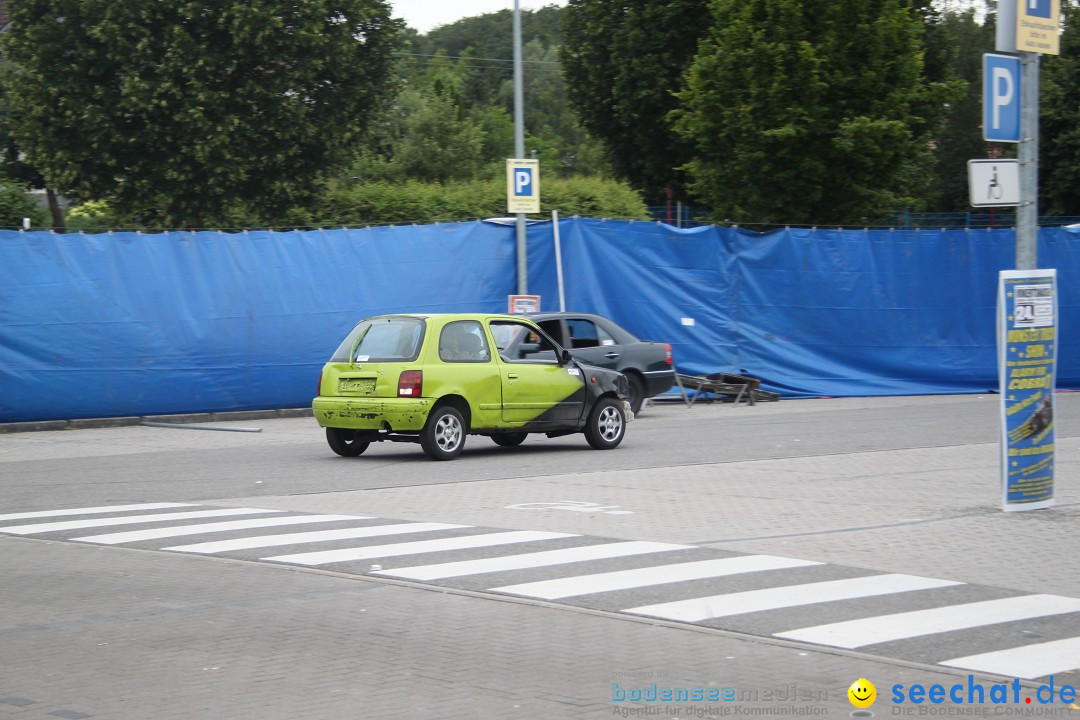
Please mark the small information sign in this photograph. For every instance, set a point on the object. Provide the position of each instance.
(523, 304)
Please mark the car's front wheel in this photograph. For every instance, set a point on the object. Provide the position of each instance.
(607, 424)
(346, 443)
(444, 435)
(509, 439)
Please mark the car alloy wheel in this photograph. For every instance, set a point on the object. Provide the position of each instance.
(607, 424)
(444, 435)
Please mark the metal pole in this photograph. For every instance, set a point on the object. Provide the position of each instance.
(1027, 214)
(519, 151)
(558, 259)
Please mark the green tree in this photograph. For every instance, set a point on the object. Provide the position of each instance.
(955, 43)
(623, 60)
(191, 113)
(1059, 122)
(809, 111)
(16, 203)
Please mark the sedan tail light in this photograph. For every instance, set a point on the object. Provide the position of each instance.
(667, 358)
(411, 384)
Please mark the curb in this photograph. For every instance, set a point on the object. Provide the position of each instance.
(113, 422)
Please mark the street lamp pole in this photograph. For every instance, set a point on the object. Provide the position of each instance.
(519, 151)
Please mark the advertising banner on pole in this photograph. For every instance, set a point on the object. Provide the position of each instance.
(1027, 357)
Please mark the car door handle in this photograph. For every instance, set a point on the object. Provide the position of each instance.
(612, 355)
(512, 376)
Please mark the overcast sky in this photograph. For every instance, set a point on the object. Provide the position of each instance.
(427, 14)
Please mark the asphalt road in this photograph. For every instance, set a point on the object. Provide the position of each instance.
(291, 456)
(853, 495)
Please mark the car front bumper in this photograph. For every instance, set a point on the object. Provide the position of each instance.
(357, 413)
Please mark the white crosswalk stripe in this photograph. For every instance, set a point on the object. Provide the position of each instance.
(159, 533)
(262, 541)
(898, 626)
(91, 510)
(650, 576)
(530, 560)
(718, 606)
(130, 520)
(326, 557)
(1027, 662)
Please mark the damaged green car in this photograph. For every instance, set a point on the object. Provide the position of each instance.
(435, 379)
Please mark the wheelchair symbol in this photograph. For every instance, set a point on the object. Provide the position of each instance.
(571, 505)
(994, 191)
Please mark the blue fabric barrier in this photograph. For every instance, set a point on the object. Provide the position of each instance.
(135, 324)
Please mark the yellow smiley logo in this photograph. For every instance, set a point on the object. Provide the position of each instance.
(862, 693)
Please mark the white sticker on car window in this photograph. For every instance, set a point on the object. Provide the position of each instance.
(362, 358)
(573, 371)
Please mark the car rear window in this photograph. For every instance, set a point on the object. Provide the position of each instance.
(394, 339)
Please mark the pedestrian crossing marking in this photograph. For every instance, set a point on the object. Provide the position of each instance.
(717, 606)
(531, 560)
(415, 548)
(159, 533)
(899, 626)
(1027, 662)
(315, 536)
(130, 520)
(465, 558)
(650, 576)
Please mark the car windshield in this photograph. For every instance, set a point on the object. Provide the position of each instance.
(395, 339)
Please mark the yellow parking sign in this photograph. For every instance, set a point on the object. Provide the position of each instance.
(1037, 26)
(522, 186)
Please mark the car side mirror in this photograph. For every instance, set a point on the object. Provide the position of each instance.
(565, 358)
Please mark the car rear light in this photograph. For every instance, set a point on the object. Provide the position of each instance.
(411, 384)
(667, 358)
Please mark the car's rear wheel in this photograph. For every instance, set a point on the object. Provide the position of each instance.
(607, 424)
(637, 392)
(346, 443)
(444, 435)
(509, 439)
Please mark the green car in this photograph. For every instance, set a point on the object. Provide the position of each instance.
(433, 379)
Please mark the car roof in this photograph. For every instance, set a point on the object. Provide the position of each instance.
(451, 316)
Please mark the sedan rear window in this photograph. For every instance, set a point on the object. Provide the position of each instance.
(395, 339)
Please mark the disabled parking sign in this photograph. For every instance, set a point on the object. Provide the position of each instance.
(522, 186)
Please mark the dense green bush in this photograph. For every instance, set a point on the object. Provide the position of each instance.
(421, 203)
(16, 203)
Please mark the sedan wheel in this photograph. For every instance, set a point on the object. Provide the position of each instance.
(509, 439)
(346, 443)
(444, 435)
(607, 424)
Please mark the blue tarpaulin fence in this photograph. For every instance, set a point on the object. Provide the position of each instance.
(135, 324)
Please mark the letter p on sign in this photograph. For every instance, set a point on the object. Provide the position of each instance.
(523, 182)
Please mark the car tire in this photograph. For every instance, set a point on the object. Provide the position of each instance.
(509, 439)
(443, 437)
(637, 392)
(346, 443)
(607, 424)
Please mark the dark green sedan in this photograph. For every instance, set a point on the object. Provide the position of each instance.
(598, 341)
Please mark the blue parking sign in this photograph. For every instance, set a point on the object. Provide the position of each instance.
(1038, 8)
(1001, 98)
(522, 186)
(523, 182)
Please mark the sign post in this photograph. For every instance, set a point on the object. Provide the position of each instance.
(1027, 359)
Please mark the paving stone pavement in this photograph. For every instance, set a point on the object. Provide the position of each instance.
(195, 637)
